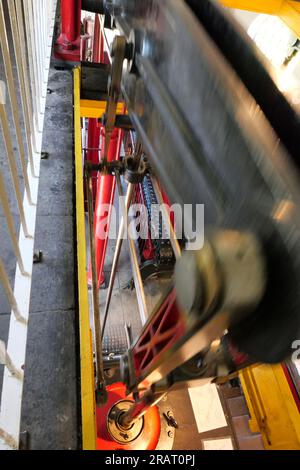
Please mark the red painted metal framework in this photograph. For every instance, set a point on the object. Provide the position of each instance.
(167, 326)
(71, 46)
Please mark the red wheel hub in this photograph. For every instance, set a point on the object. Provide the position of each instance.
(144, 435)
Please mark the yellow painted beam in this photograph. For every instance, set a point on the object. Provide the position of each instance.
(272, 407)
(270, 7)
(86, 353)
(290, 15)
(287, 10)
(96, 109)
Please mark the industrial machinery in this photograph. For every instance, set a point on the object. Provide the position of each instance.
(207, 123)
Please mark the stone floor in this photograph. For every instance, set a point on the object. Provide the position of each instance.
(50, 404)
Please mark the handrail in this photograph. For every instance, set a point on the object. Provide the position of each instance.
(31, 23)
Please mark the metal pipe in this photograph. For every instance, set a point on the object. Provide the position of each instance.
(13, 99)
(32, 42)
(123, 224)
(167, 219)
(138, 282)
(35, 94)
(128, 334)
(9, 293)
(17, 41)
(10, 224)
(68, 45)
(21, 44)
(38, 43)
(34, 29)
(97, 321)
(140, 407)
(70, 20)
(6, 360)
(13, 166)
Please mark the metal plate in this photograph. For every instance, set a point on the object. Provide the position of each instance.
(94, 81)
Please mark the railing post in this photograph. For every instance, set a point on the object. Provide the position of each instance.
(13, 99)
(22, 80)
(6, 361)
(9, 292)
(12, 165)
(10, 224)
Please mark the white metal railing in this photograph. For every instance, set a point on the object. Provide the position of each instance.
(31, 25)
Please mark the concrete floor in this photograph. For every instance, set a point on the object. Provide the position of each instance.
(50, 404)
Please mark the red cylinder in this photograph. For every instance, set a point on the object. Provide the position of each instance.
(104, 202)
(70, 20)
(68, 43)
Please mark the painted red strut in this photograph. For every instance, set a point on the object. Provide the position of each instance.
(68, 44)
(106, 187)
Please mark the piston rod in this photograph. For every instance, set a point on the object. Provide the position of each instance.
(140, 407)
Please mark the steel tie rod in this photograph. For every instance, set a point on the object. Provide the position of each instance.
(129, 194)
(100, 385)
(116, 258)
(138, 282)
